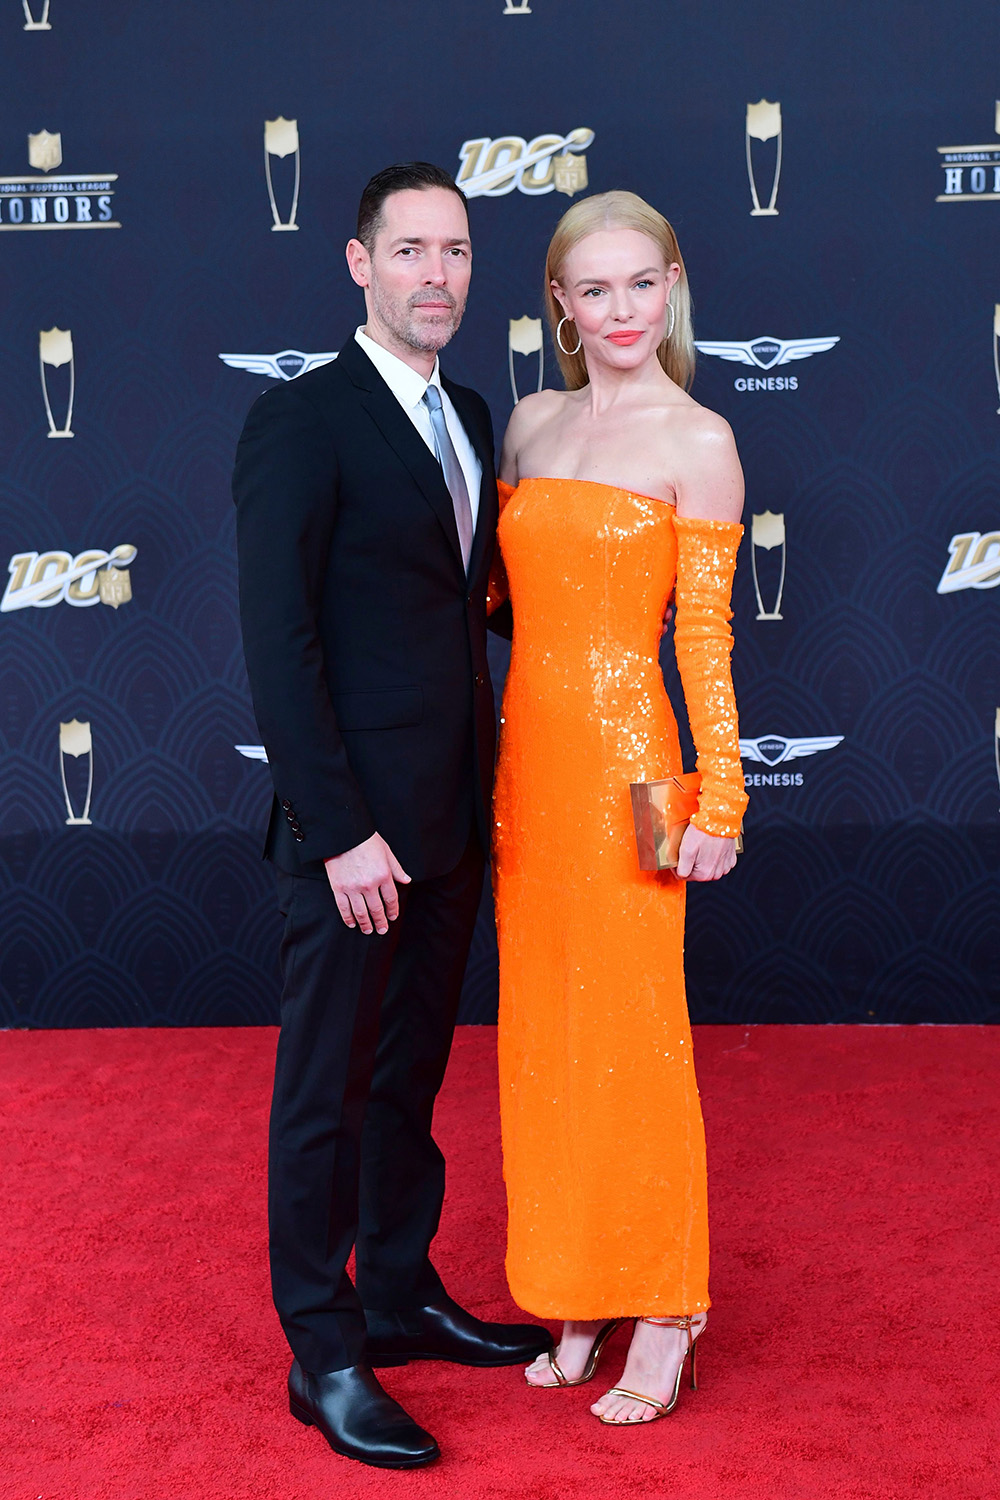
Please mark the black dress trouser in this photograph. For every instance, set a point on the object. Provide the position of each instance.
(366, 1028)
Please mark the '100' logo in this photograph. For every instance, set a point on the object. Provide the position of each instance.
(491, 168)
(974, 562)
(40, 580)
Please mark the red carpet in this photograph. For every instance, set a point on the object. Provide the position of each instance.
(852, 1349)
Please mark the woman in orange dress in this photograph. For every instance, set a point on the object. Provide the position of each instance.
(619, 492)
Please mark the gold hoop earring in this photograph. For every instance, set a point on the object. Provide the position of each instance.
(579, 338)
(673, 319)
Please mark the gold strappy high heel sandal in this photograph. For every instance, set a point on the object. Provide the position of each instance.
(596, 1349)
(662, 1408)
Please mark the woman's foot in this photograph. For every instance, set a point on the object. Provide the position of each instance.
(654, 1357)
(572, 1353)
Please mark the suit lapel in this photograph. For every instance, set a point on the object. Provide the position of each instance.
(401, 435)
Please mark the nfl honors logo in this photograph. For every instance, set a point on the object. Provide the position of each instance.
(972, 173)
(63, 201)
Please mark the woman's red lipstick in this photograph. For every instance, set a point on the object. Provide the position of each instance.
(625, 337)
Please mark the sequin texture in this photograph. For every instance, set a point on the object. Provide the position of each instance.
(604, 1152)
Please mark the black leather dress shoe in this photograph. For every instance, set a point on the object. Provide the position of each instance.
(443, 1330)
(358, 1418)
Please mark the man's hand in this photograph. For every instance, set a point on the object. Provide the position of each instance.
(703, 856)
(363, 881)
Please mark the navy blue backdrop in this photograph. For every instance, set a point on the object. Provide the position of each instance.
(849, 336)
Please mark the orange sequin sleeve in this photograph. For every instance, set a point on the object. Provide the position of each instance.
(498, 590)
(706, 562)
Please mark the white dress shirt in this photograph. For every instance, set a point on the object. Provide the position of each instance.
(408, 388)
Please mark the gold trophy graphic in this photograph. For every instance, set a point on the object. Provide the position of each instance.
(281, 138)
(763, 124)
(524, 336)
(767, 531)
(55, 348)
(30, 24)
(75, 739)
(996, 351)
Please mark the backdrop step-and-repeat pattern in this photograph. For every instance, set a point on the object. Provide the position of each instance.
(176, 187)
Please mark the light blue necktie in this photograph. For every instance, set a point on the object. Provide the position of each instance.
(454, 478)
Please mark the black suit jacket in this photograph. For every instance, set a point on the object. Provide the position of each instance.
(365, 642)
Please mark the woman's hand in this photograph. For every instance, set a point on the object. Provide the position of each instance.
(703, 856)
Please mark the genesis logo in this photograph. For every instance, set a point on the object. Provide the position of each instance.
(775, 749)
(284, 366)
(765, 353)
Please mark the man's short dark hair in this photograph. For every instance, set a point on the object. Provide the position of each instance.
(396, 179)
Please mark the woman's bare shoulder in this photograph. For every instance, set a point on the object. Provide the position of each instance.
(530, 415)
(700, 426)
(533, 411)
(710, 479)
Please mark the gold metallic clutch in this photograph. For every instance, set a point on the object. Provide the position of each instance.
(661, 810)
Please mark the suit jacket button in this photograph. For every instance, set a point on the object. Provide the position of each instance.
(286, 805)
(299, 836)
(479, 679)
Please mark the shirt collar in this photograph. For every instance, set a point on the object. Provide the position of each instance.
(405, 383)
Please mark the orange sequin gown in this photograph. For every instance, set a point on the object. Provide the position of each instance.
(604, 1147)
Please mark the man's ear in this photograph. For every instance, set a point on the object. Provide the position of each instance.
(359, 262)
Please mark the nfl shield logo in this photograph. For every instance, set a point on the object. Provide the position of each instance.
(114, 586)
(45, 150)
(570, 173)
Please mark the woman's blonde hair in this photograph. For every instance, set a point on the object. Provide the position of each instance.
(619, 211)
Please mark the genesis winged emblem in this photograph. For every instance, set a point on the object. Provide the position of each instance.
(285, 365)
(765, 352)
(775, 749)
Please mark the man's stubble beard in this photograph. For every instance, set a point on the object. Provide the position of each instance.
(400, 323)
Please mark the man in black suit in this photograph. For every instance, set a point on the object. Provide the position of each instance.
(366, 513)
